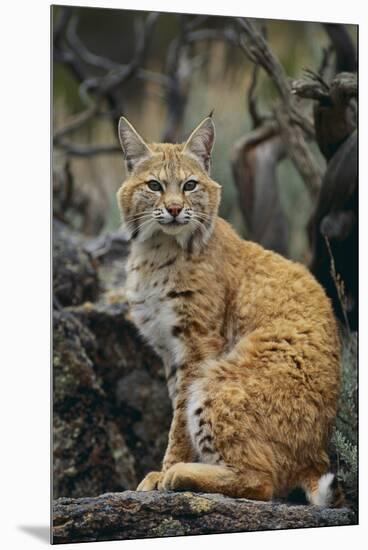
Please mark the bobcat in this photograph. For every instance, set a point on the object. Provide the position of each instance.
(248, 338)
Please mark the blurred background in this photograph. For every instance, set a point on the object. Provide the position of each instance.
(208, 72)
(284, 95)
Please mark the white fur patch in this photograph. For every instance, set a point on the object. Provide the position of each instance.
(162, 319)
(324, 494)
(153, 315)
(195, 400)
(196, 397)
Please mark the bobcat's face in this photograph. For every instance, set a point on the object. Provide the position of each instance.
(168, 188)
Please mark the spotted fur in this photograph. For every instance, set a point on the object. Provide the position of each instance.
(248, 338)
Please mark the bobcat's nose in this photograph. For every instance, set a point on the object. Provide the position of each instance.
(174, 209)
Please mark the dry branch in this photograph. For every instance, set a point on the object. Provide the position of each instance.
(344, 87)
(346, 57)
(254, 162)
(71, 51)
(82, 150)
(180, 67)
(335, 110)
(293, 123)
(299, 152)
(251, 99)
(77, 121)
(257, 50)
(341, 89)
(82, 51)
(311, 87)
(326, 60)
(61, 51)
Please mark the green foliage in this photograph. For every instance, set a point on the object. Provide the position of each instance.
(345, 434)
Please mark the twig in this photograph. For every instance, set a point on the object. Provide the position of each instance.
(342, 88)
(69, 187)
(196, 22)
(251, 99)
(317, 78)
(179, 67)
(82, 51)
(298, 151)
(325, 61)
(257, 50)
(104, 63)
(226, 35)
(81, 150)
(311, 87)
(61, 52)
(339, 283)
(61, 24)
(77, 121)
(143, 35)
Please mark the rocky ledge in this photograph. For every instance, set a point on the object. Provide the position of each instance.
(132, 515)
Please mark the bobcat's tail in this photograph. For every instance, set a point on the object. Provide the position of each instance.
(325, 491)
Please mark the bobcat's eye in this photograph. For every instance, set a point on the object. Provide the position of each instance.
(154, 185)
(190, 185)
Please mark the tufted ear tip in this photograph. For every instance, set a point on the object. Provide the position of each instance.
(200, 142)
(122, 122)
(134, 147)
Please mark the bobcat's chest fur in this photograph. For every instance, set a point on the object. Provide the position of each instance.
(150, 280)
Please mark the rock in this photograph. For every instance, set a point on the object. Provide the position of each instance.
(133, 378)
(146, 416)
(111, 407)
(75, 277)
(132, 515)
(89, 449)
(336, 219)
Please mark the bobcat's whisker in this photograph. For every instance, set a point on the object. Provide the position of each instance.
(143, 216)
(202, 215)
(140, 215)
(146, 222)
(197, 223)
(201, 221)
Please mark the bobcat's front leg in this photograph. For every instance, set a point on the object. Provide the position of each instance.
(179, 449)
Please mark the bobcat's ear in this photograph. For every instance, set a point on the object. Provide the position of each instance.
(133, 145)
(200, 142)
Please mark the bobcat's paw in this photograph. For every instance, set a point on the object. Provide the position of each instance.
(177, 478)
(150, 482)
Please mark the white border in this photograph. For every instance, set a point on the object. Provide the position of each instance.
(24, 219)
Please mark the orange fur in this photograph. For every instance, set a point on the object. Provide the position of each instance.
(248, 338)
